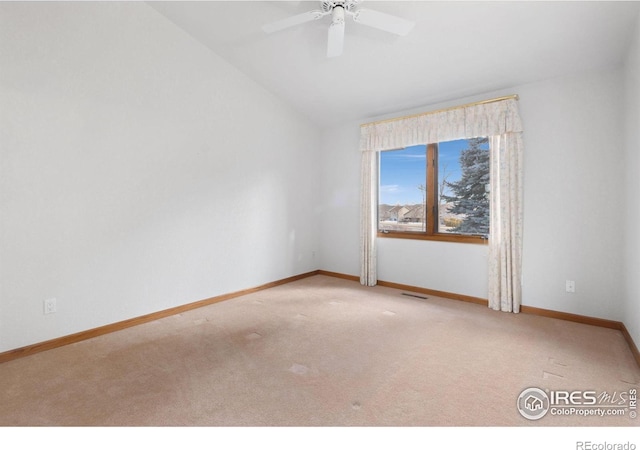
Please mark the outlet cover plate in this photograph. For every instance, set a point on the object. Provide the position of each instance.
(570, 286)
(50, 306)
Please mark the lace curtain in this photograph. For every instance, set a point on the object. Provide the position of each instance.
(498, 120)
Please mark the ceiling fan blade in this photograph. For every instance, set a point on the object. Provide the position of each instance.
(383, 21)
(336, 39)
(293, 21)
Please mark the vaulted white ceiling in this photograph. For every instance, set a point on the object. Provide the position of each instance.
(456, 49)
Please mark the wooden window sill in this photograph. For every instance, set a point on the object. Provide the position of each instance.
(435, 237)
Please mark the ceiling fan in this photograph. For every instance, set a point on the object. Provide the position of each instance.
(338, 10)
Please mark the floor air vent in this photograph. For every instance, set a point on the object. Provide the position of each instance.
(415, 295)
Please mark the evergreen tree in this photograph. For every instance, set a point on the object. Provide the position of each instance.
(470, 197)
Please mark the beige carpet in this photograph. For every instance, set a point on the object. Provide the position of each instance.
(321, 351)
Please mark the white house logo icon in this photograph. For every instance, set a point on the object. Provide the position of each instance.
(533, 403)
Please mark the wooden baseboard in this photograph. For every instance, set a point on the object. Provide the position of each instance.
(99, 331)
(88, 334)
(339, 275)
(449, 295)
(605, 323)
(632, 345)
(406, 287)
(587, 320)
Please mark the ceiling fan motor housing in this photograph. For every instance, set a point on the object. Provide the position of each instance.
(346, 5)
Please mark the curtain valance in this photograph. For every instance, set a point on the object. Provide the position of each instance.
(475, 120)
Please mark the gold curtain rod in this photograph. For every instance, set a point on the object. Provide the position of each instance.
(482, 102)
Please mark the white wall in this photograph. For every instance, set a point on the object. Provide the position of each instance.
(631, 305)
(340, 190)
(573, 194)
(138, 171)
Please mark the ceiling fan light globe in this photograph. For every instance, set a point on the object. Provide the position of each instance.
(337, 15)
(335, 41)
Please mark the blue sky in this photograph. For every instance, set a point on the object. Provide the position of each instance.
(402, 171)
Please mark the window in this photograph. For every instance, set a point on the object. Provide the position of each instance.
(435, 191)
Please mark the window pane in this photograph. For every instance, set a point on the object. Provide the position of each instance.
(402, 189)
(463, 186)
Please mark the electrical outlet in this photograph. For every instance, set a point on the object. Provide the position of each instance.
(50, 306)
(570, 286)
